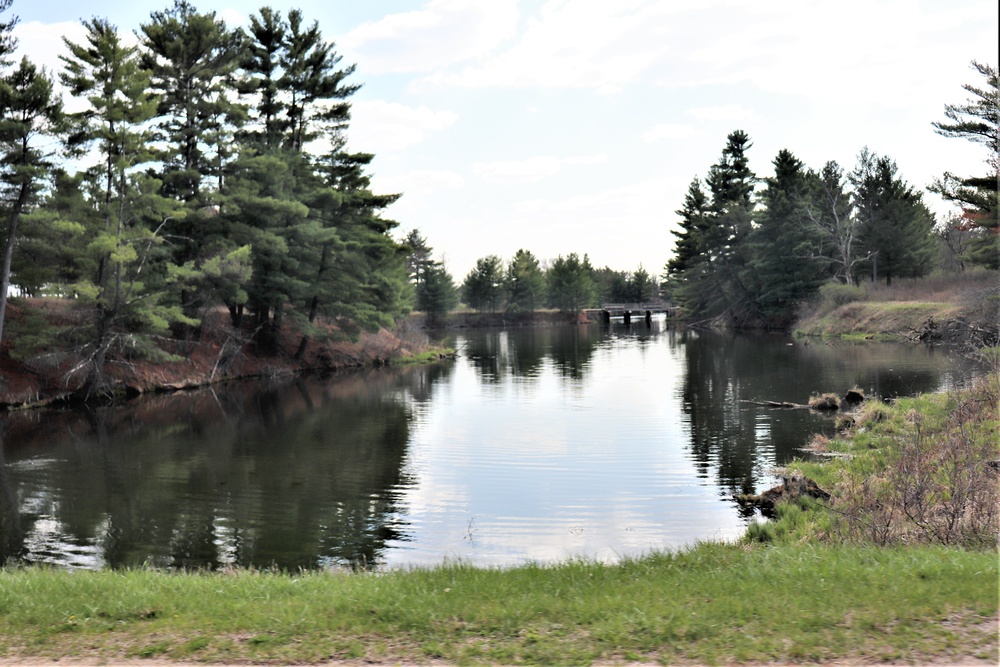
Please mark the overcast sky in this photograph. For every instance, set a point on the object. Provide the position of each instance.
(576, 125)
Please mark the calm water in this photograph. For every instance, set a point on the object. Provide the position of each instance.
(535, 445)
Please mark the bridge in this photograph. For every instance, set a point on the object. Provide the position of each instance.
(627, 311)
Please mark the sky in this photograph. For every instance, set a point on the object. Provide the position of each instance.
(563, 126)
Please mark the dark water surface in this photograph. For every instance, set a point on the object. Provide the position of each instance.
(535, 445)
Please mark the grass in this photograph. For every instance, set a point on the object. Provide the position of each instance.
(712, 604)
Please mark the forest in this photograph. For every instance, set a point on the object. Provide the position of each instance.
(206, 169)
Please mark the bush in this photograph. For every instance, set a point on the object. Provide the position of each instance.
(934, 475)
(834, 295)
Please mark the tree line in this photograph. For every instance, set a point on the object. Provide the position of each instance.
(749, 250)
(204, 167)
(523, 284)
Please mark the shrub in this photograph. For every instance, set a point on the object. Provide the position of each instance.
(934, 477)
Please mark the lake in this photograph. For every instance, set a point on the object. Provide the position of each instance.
(535, 445)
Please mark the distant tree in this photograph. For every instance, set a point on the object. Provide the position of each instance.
(29, 110)
(895, 227)
(524, 282)
(418, 259)
(978, 120)
(570, 283)
(483, 286)
(956, 238)
(641, 286)
(436, 294)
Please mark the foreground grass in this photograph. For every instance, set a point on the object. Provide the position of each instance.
(712, 604)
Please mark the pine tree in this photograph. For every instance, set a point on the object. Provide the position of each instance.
(316, 87)
(191, 57)
(895, 228)
(785, 263)
(571, 283)
(483, 286)
(106, 73)
(28, 110)
(693, 223)
(524, 283)
(978, 120)
(712, 285)
(263, 71)
(437, 294)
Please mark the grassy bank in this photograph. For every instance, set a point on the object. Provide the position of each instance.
(922, 470)
(962, 307)
(712, 604)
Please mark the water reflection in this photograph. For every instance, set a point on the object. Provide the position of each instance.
(299, 473)
(537, 444)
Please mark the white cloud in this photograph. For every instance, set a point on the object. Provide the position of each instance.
(728, 112)
(663, 131)
(426, 181)
(535, 168)
(377, 125)
(443, 32)
(43, 43)
(579, 44)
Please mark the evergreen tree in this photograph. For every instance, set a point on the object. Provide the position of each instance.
(712, 286)
(641, 287)
(483, 286)
(317, 92)
(106, 73)
(978, 120)
(48, 259)
(895, 227)
(571, 283)
(418, 261)
(28, 110)
(524, 283)
(7, 40)
(263, 71)
(437, 294)
(192, 58)
(693, 224)
(784, 267)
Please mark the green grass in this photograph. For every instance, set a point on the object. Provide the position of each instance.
(426, 357)
(712, 604)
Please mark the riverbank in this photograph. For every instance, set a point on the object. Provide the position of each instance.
(217, 354)
(962, 310)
